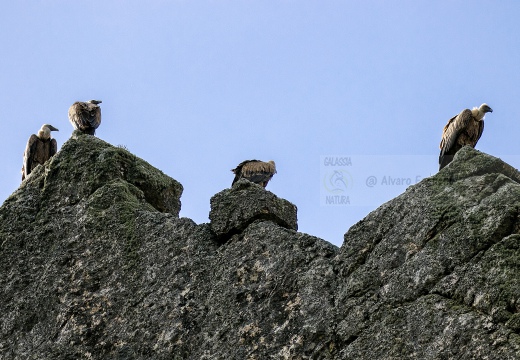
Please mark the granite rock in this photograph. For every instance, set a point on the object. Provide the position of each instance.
(96, 264)
(232, 210)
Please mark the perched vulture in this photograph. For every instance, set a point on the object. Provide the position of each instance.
(463, 129)
(85, 116)
(256, 171)
(39, 149)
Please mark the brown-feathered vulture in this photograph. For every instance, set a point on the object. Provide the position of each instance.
(462, 129)
(256, 171)
(85, 116)
(39, 149)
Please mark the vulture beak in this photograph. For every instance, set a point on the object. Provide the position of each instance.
(490, 110)
(52, 128)
(95, 102)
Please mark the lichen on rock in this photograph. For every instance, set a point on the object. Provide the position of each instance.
(85, 163)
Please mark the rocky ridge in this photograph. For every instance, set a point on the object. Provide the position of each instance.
(97, 264)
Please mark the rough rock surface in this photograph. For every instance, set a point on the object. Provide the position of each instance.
(233, 210)
(96, 264)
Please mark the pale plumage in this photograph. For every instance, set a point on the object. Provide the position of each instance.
(39, 149)
(85, 116)
(463, 129)
(256, 171)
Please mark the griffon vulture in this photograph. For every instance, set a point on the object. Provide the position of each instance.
(39, 149)
(256, 171)
(85, 116)
(463, 129)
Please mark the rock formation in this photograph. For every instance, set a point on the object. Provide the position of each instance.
(96, 264)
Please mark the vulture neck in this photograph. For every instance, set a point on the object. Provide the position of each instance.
(477, 114)
(44, 134)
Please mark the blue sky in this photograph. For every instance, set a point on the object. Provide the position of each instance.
(195, 87)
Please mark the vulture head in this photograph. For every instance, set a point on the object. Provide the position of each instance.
(45, 131)
(479, 113)
(485, 108)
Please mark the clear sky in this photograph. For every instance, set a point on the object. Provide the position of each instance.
(195, 87)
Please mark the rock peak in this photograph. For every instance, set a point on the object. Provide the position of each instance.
(232, 210)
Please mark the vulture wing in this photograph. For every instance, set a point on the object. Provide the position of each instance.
(260, 177)
(255, 171)
(238, 170)
(451, 132)
(54, 148)
(480, 130)
(30, 150)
